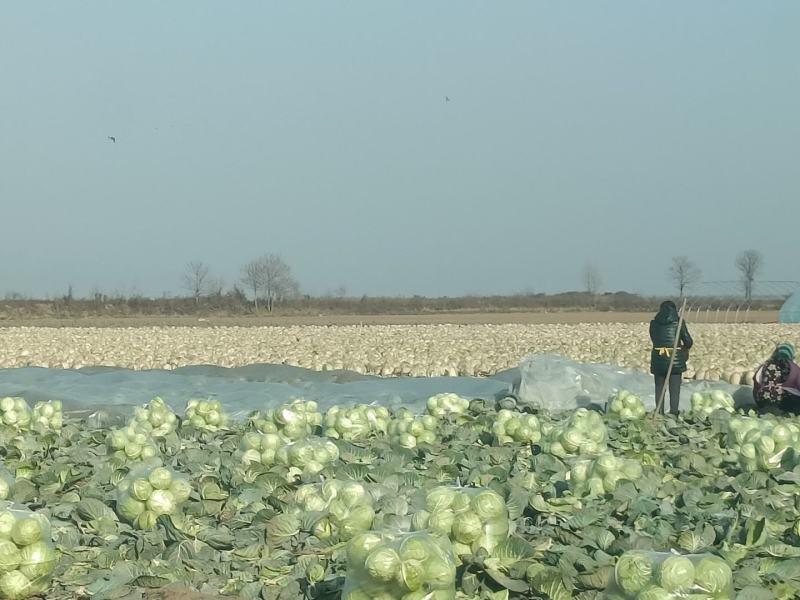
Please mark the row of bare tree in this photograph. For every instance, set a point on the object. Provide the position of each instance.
(268, 278)
(685, 273)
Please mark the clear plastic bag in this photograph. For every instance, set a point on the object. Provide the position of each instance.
(345, 508)
(155, 419)
(149, 491)
(763, 444)
(356, 422)
(294, 420)
(306, 457)
(15, 413)
(641, 575)
(130, 445)
(205, 415)
(399, 566)
(407, 430)
(602, 475)
(626, 406)
(513, 427)
(472, 518)
(27, 554)
(705, 403)
(582, 433)
(47, 416)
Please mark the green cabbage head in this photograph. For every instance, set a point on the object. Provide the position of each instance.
(633, 572)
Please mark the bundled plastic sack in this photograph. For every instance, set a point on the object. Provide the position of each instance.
(309, 456)
(513, 427)
(472, 518)
(130, 445)
(445, 404)
(763, 444)
(583, 434)
(601, 475)
(357, 422)
(148, 492)
(399, 566)
(294, 420)
(346, 508)
(407, 430)
(15, 413)
(206, 415)
(641, 575)
(626, 406)
(155, 419)
(47, 416)
(705, 403)
(27, 554)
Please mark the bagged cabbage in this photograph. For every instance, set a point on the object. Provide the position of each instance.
(357, 422)
(47, 416)
(644, 575)
(346, 508)
(307, 456)
(206, 415)
(129, 445)
(513, 427)
(399, 566)
(407, 430)
(156, 419)
(583, 434)
(441, 405)
(472, 518)
(601, 475)
(148, 492)
(626, 406)
(705, 403)
(763, 444)
(15, 412)
(27, 554)
(294, 421)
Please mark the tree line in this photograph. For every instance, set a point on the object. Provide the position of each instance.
(685, 274)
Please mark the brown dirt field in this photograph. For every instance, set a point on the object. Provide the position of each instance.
(525, 318)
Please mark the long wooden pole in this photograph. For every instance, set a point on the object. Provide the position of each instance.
(660, 399)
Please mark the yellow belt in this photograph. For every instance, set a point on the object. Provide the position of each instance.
(664, 351)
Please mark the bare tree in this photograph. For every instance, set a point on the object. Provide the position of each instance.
(195, 279)
(749, 262)
(216, 286)
(253, 279)
(684, 273)
(592, 279)
(269, 277)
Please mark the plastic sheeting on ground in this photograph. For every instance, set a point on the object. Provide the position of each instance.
(543, 381)
(241, 390)
(554, 383)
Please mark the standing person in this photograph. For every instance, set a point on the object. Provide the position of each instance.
(776, 383)
(663, 330)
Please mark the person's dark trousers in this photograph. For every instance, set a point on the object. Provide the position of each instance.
(674, 391)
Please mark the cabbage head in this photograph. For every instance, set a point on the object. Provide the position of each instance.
(713, 575)
(676, 574)
(653, 592)
(383, 564)
(26, 531)
(10, 556)
(14, 586)
(37, 560)
(633, 572)
(488, 505)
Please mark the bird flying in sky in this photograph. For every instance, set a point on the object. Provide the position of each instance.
(112, 138)
(446, 99)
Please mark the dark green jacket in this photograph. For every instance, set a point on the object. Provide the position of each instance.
(662, 334)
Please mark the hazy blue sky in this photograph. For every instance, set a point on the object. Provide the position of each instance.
(623, 132)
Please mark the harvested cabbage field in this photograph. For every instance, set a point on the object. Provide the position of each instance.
(721, 352)
(463, 497)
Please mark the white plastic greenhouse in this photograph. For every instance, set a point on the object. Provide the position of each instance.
(790, 311)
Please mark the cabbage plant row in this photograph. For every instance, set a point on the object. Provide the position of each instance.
(487, 502)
